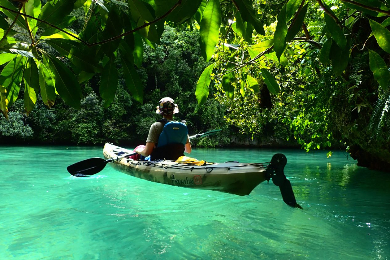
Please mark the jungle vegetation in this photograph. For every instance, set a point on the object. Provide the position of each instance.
(308, 72)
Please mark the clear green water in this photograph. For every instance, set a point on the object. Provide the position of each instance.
(47, 214)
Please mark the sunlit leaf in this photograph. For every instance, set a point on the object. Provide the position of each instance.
(379, 69)
(253, 84)
(3, 101)
(6, 57)
(270, 81)
(209, 28)
(202, 87)
(109, 82)
(132, 79)
(33, 8)
(382, 35)
(280, 33)
(249, 15)
(335, 31)
(67, 85)
(11, 77)
(297, 24)
(61, 35)
(255, 50)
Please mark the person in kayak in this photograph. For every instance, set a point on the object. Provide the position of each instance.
(167, 139)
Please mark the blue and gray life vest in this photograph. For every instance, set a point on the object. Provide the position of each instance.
(171, 141)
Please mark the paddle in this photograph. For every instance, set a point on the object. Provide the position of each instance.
(92, 166)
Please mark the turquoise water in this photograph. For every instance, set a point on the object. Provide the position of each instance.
(47, 214)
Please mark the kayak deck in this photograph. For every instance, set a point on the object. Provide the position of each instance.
(230, 177)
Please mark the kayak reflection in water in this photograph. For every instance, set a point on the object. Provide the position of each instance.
(167, 139)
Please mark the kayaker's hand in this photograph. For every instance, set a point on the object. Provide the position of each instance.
(139, 149)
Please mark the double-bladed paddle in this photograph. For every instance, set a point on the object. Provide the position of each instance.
(92, 166)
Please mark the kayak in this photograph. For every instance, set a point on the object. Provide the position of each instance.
(231, 177)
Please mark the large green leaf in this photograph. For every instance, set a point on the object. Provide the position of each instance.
(55, 11)
(6, 57)
(114, 25)
(297, 24)
(109, 82)
(339, 58)
(20, 21)
(132, 79)
(370, 3)
(325, 52)
(184, 11)
(380, 70)
(291, 7)
(227, 84)
(270, 81)
(31, 85)
(202, 87)
(253, 84)
(280, 33)
(335, 31)
(83, 57)
(67, 85)
(382, 35)
(3, 101)
(255, 50)
(249, 15)
(33, 8)
(11, 77)
(244, 29)
(46, 82)
(209, 28)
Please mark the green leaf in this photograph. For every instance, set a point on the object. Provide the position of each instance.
(379, 69)
(46, 82)
(280, 33)
(33, 8)
(382, 35)
(11, 77)
(325, 52)
(209, 28)
(255, 50)
(291, 7)
(202, 87)
(66, 23)
(114, 25)
(339, 58)
(180, 14)
(244, 29)
(253, 84)
(370, 3)
(335, 31)
(6, 57)
(19, 21)
(31, 85)
(3, 101)
(132, 80)
(109, 82)
(297, 24)
(54, 12)
(249, 15)
(272, 85)
(67, 85)
(61, 35)
(227, 84)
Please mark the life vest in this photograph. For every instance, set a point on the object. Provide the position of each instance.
(171, 141)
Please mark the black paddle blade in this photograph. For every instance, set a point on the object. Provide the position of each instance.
(87, 167)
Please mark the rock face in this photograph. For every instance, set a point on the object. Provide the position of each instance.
(373, 160)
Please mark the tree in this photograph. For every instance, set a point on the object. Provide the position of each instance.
(45, 49)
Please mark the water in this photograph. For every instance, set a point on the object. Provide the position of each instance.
(47, 214)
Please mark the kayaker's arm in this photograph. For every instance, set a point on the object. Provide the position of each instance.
(187, 147)
(145, 151)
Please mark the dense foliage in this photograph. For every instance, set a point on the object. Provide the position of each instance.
(312, 71)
